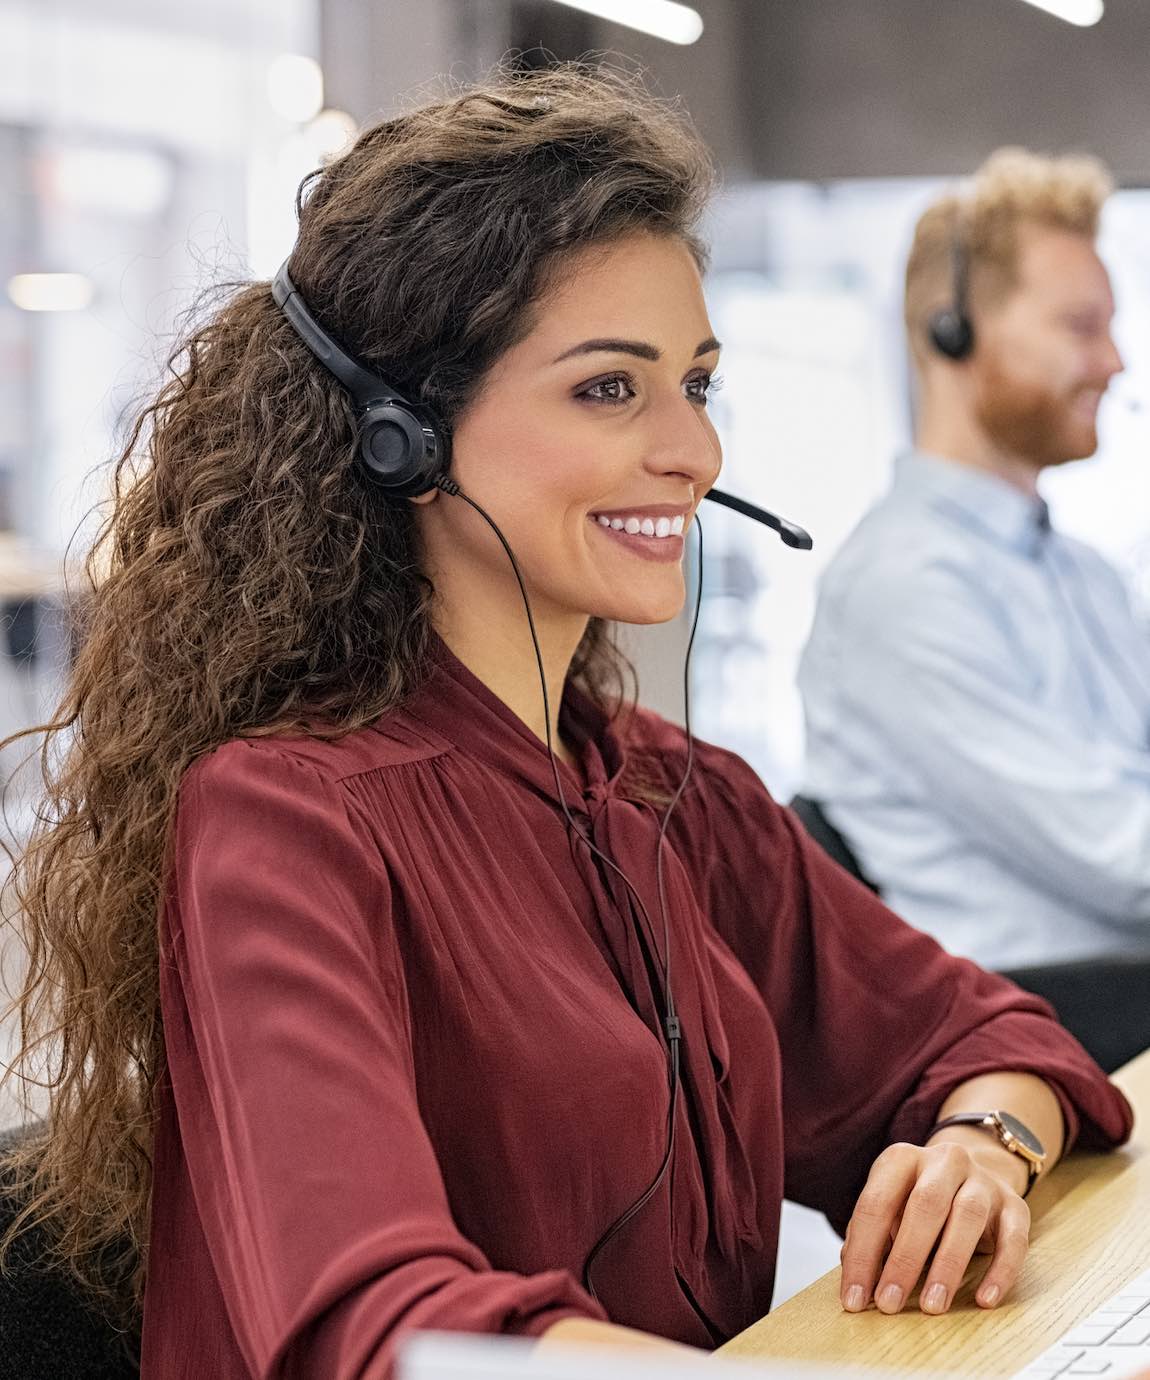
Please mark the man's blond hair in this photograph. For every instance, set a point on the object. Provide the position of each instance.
(1012, 189)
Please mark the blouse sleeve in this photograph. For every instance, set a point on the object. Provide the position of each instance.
(289, 1055)
(876, 1023)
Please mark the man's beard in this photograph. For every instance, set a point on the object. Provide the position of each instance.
(1032, 421)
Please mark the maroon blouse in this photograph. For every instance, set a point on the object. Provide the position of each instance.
(414, 1069)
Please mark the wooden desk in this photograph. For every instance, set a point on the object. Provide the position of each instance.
(1091, 1234)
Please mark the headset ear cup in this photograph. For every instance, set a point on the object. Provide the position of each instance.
(951, 333)
(402, 449)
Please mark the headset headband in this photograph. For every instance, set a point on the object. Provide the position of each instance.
(365, 387)
(959, 262)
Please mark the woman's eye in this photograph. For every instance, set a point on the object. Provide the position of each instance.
(700, 388)
(616, 389)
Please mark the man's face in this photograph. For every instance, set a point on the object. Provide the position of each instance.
(1045, 356)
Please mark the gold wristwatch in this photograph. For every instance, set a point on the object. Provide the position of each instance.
(1011, 1134)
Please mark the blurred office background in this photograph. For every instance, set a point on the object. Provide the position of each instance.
(151, 150)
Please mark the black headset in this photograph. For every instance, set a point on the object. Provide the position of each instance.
(950, 329)
(404, 447)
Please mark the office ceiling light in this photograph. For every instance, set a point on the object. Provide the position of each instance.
(664, 18)
(330, 134)
(124, 182)
(50, 291)
(295, 87)
(1080, 12)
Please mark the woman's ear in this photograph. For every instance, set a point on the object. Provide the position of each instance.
(424, 498)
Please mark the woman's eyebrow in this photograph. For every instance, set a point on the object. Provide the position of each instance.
(639, 348)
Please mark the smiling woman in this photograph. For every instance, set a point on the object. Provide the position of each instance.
(377, 1013)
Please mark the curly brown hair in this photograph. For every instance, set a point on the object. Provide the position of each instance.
(246, 580)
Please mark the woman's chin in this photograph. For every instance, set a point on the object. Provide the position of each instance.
(643, 613)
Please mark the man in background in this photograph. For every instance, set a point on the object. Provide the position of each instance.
(976, 687)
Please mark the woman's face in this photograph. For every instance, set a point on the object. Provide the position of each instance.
(589, 444)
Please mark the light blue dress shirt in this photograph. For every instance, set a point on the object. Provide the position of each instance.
(977, 699)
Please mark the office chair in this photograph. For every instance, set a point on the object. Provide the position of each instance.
(48, 1328)
(824, 833)
(1103, 1002)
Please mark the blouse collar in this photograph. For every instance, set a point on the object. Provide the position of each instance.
(461, 708)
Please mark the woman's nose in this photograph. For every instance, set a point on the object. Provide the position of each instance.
(687, 445)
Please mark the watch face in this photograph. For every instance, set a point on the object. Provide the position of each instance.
(1026, 1138)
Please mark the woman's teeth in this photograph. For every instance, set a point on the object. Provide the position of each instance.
(645, 527)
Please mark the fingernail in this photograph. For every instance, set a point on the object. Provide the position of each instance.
(934, 1299)
(855, 1300)
(890, 1300)
(990, 1296)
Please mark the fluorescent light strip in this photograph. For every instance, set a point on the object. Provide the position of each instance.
(50, 291)
(664, 18)
(1080, 12)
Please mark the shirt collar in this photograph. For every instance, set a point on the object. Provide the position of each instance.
(1018, 521)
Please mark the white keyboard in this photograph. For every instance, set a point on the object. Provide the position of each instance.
(1114, 1341)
